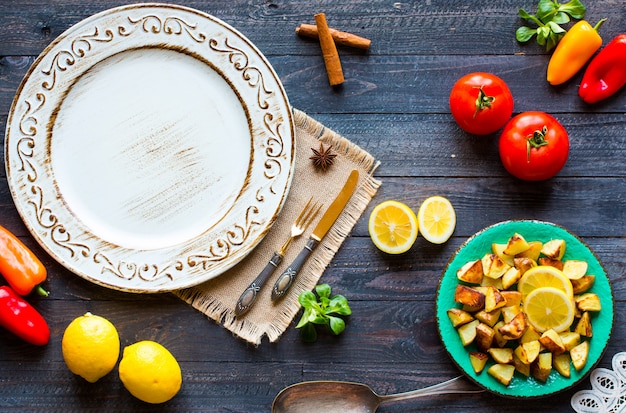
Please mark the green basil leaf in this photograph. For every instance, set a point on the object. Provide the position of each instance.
(546, 9)
(323, 290)
(307, 299)
(541, 38)
(337, 325)
(561, 18)
(574, 8)
(524, 14)
(524, 34)
(339, 305)
(304, 319)
(556, 29)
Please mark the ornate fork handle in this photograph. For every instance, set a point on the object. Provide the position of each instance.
(284, 282)
(249, 295)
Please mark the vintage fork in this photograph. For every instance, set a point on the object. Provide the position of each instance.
(249, 295)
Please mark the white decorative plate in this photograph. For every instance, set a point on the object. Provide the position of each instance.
(150, 147)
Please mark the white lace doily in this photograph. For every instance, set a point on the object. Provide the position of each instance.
(608, 389)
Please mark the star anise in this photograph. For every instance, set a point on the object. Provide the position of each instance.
(323, 158)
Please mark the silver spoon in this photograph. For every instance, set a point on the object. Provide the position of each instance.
(347, 397)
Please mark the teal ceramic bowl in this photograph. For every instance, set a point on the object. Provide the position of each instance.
(475, 248)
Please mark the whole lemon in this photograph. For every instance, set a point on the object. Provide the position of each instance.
(91, 346)
(150, 372)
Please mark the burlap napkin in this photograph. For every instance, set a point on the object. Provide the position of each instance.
(216, 298)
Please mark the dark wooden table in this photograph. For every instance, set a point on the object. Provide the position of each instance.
(394, 104)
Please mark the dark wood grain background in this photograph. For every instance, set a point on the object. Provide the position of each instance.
(394, 104)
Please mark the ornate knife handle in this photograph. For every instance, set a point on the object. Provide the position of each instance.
(285, 280)
(249, 295)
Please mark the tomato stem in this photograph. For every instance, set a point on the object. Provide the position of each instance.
(483, 101)
(536, 140)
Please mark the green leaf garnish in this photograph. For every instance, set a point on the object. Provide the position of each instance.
(322, 310)
(550, 16)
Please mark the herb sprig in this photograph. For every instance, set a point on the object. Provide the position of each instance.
(325, 311)
(550, 16)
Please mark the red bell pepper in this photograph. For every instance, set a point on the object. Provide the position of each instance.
(20, 318)
(19, 266)
(606, 73)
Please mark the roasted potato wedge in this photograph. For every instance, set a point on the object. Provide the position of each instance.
(575, 269)
(579, 355)
(469, 296)
(471, 272)
(542, 367)
(516, 245)
(467, 332)
(554, 249)
(459, 317)
(502, 372)
(478, 360)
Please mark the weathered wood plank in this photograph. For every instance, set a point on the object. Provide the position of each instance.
(398, 84)
(436, 27)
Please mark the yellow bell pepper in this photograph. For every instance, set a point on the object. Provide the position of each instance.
(573, 51)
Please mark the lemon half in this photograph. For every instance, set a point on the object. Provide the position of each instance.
(549, 308)
(544, 276)
(437, 219)
(393, 227)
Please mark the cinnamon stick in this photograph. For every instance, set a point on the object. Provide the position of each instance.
(342, 38)
(329, 51)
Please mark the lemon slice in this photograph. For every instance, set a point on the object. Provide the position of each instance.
(549, 308)
(437, 219)
(393, 227)
(544, 276)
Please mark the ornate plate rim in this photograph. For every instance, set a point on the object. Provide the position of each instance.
(530, 388)
(169, 27)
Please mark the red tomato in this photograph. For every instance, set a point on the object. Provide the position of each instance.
(534, 146)
(481, 103)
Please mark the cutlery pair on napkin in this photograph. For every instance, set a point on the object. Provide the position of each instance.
(308, 214)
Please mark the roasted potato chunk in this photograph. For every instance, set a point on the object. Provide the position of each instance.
(542, 367)
(515, 328)
(469, 297)
(489, 318)
(516, 245)
(574, 269)
(533, 251)
(493, 299)
(478, 360)
(561, 363)
(588, 302)
(459, 317)
(471, 272)
(528, 352)
(583, 284)
(467, 332)
(502, 355)
(583, 327)
(502, 372)
(554, 249)
(579, 355)
(484, 337)
(493, 266)
(551, 340)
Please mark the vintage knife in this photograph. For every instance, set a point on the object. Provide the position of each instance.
(285, 280)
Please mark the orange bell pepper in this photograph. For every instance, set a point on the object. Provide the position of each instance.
(573, 51)
(19, 266)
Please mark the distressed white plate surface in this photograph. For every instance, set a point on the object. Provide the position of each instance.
(150, 148)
